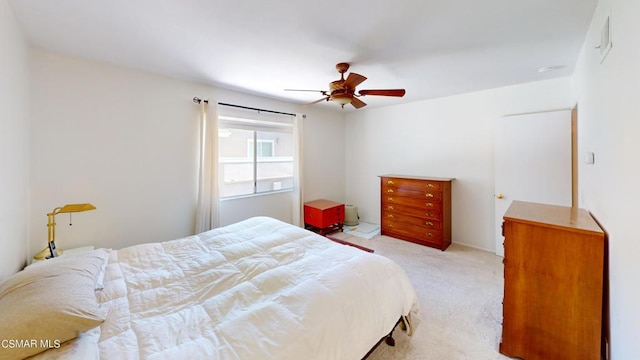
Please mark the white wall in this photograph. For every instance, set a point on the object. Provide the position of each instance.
(324, 155)
(126, 141)
(14, 143)
(446, 137)
(608, 97)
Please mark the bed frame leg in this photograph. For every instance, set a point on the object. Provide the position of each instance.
(389, 340)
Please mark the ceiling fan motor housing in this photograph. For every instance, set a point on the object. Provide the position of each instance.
(337, 87)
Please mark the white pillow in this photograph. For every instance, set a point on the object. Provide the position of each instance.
(52, 302)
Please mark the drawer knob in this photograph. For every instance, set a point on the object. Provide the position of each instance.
(390, 190)
(429, 223)
(390, 225)
(390, 216)
(429, 195)
(390, 182)
(430, 214)
(429, 235)
(430, 186)
(389, 198)
(390, 207)
(429, 204)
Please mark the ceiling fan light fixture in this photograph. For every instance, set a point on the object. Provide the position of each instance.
(342, 99)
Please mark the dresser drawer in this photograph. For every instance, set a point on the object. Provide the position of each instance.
(420, 208)
(433, 211)
(413, 219)
(415, 232)
(411, 184)
(419, 194)
(419, 203)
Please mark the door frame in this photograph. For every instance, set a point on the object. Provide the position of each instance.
(574, 157)
(574, 197)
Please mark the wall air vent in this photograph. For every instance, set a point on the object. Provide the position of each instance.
(605, 39)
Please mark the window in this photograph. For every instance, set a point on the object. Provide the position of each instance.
(246, 169)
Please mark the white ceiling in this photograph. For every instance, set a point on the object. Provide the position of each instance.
(432, 48)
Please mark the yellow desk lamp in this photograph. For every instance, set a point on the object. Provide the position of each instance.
(50, 251)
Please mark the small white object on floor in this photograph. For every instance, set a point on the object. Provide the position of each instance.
(363, 230)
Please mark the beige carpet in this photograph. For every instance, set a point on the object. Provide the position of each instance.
(460, 292)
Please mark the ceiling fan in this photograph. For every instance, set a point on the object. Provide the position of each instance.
(344, 91)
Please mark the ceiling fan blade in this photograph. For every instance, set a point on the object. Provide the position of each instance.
(320, 91)
(384, 92)
(353, 80)
(317, 101)
(357, 103)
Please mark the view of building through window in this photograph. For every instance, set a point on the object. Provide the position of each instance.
(246, 169)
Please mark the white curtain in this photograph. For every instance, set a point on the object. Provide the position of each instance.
(208, 211)
(297, 210)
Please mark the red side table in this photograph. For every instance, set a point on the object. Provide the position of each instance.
(323, 216)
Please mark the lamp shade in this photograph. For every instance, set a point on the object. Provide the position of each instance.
(69, 208)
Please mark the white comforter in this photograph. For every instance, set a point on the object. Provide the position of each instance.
(258, 289)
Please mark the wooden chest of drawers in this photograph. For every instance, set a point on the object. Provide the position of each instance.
(323, 216)
(553, 283)
(416, 209)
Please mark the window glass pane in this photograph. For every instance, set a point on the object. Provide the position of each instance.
(275, 161)
(236, 162)
(265, 148)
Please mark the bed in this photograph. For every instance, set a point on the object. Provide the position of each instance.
(257, 289)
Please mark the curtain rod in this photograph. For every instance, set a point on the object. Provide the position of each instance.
(256, 109)
(197, 100)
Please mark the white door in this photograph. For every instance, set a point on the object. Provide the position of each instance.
(532, 160)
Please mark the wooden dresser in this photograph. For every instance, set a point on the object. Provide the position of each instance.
(416, 209)
(553, 283)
